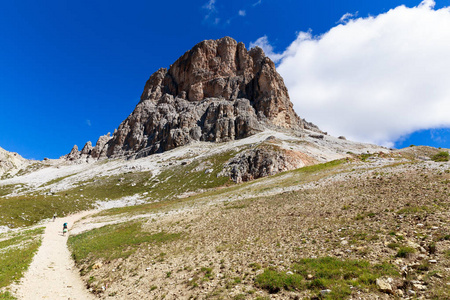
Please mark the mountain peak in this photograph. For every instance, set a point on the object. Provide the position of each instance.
(217, 91)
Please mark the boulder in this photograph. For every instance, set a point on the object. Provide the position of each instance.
(384, 286)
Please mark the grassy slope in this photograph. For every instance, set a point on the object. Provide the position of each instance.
(31, 208)
(228, 189)
(223, 245)
(369, 218)
(16, 253)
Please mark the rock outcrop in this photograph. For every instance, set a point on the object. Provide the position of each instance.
(88, 151)
(263, 161)
(218, 91)
(74, 154)
(10, 163)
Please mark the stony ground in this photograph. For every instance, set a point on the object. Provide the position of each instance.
(202, 237)
(395, 212)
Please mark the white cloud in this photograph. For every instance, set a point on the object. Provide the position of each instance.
(373, 79)
(427, 3)
(346, 17)
(242, 13)
(263, 43)
(88, 122)
(211, 10)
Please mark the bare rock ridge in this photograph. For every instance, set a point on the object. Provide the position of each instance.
(217, 91)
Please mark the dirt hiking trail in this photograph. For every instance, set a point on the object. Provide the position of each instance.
(52, 273)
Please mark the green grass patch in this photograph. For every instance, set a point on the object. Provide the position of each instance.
(114, 241)
(325, 273)
(16, 254)
(320, 167)
(7, 189)
(274, 281)
(112, 187)
(30, 209)
(365, 156)
(414, 210)
(405, 251)
(440, 157)
(7, 296)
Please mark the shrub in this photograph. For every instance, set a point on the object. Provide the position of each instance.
(405, 251)
(441, 156)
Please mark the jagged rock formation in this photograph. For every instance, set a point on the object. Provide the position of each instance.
(74, 154)
(218, 91)
(88, 151)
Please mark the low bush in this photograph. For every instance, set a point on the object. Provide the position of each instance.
(405, 251)
(441, 156)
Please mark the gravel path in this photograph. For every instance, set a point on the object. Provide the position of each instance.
(52, 274)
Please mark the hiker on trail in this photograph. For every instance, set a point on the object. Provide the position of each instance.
(64, 228)
(54, 217)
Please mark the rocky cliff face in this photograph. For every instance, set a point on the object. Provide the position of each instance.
(218, 91)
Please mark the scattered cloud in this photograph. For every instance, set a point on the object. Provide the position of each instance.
(372, 79)
(439, 135)
(212, 15)
(210, 6)
(211, 11)
(346, 17)
(257, 3)
(88, 122)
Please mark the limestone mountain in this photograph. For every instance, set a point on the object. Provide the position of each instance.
(218, 91)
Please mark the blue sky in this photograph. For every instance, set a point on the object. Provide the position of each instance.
(71, 71)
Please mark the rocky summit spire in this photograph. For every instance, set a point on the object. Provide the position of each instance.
(217, 91)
